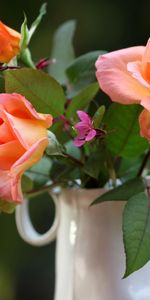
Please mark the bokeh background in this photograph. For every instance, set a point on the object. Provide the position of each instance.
(26, 272)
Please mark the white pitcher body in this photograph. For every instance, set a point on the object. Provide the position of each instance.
(90, 259)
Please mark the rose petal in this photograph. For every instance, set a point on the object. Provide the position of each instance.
(12, 32)
(5, 186)
(47, 118)
(146, 102)
(6, 134)
(9, 153)
(144, 120)
(10, 181)
(19, 106)
(136, 70)
(27, 131)
(114, 78)
(10, 43)
(30, 157)
(146, 62)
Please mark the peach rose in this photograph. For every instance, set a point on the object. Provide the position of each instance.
(9, 43)
(125, 76)
(23, 139)
(144, 120)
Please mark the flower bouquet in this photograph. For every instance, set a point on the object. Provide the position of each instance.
(58, 128)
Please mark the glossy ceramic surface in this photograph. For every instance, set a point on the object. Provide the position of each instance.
(90, 259)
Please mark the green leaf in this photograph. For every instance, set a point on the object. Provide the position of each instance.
(2, 85)
(27, 33)
(39, 173)
(26, 184)
(129, 167)
(62, 171)
(43, 91)
(94, 164)
(7, 207)
(124, 138)
(37, 21)
(54, 147)
(72, 150)
(136, 231)
(123, 192)
(82, 100)
(82, 72)
(58, 129)
(26, 58)
(98, 116)
(62, 50)
(24, 35)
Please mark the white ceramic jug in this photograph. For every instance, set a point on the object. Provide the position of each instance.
(90, 260)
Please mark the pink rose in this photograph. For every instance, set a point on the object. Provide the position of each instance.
(23, 139)
(125, 76)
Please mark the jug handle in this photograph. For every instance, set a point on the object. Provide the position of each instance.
(26, 229)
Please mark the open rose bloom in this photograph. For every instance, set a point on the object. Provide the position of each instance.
(23, 139)
(125, 76)
(9, 43)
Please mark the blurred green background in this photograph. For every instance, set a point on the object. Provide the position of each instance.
(26, 272)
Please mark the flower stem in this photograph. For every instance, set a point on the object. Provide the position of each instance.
(74, 159)
(144, 162)
(41, 190)
(111, 170)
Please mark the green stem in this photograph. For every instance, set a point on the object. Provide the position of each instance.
(40, 190)
(74, 159)
(111, 170)
(143, 165)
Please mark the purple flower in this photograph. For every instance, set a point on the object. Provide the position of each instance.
(85, 129)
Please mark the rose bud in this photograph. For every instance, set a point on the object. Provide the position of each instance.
(9, 43)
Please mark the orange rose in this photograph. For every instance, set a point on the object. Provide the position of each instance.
(23, 139)
(9, 43)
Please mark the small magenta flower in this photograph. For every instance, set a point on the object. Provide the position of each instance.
(85, 129)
